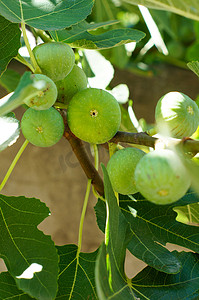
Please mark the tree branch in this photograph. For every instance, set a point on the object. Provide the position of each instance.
(84, 160)
(142, 138)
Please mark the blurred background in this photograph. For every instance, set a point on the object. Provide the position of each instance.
(142, 73)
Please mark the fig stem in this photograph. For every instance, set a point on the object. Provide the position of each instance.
(24, 62)
(96, 156)
(32, 57)
(84, 160)
(42, 34)
(81, 224)
(18, 155)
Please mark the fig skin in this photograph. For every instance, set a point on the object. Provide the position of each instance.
(55, 59)
(161, 177)
(46, 91)
(121, 168)
(42, 128)
(94, 115)
(177, 115)
(74, 82)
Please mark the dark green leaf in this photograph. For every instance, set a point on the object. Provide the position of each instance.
(23, 246)
(76, 277)
(46, 15)
(78, 36)
(9, 80)
(186, 8)
(9, 131)
(9, 290)
(194, 66)
(9, 42)
(154, 285)
(110, 278)
(153, 226)
(156, 225)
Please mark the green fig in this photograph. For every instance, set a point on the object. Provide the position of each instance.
(121, 168)
(161, 177)
(94, 115)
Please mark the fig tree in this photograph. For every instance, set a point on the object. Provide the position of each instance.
(177, 115)
(42, 94)
(94, 115)
(55, 59)
(74, 82)
(42, 128)
(161, 177)
(121, 168)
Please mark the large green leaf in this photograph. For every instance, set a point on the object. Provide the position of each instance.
(9, 131)
(46, 14)
(152, 284)
(186, 8)
(76, 277)
(111, 281)
(9, 290)
(24, 248)
(9, 42)
(153, 226)
(78, 36)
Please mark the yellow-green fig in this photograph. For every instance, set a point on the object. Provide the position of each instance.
(121, 168)
(42, 94)
(161, 177)
(55, 59)
(177, 115)
(74, 82)
(42, 128)
(94, 115)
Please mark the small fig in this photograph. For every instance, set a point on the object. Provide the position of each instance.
(55, 59)
(74, 82)
(94, 115)
(42, 128)
(42, 94)
(161, 177)
(177, 115)
(121, 168)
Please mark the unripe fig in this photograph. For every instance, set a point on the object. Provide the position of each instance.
(121, 168)
(42, 128)
(94, 115)
(161, 177)
(55, 59)
(74, 82)
(44, 91)
(177, 115)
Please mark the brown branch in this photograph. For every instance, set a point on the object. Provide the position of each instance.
(142, 138)
(84, 160)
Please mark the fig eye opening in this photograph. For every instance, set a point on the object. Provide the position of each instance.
(39, 129)
(93, 113)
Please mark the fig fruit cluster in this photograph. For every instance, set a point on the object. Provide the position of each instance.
(159, 176)
(93, 114)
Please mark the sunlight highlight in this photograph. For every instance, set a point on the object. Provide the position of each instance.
(153, 29)
(30, 271)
